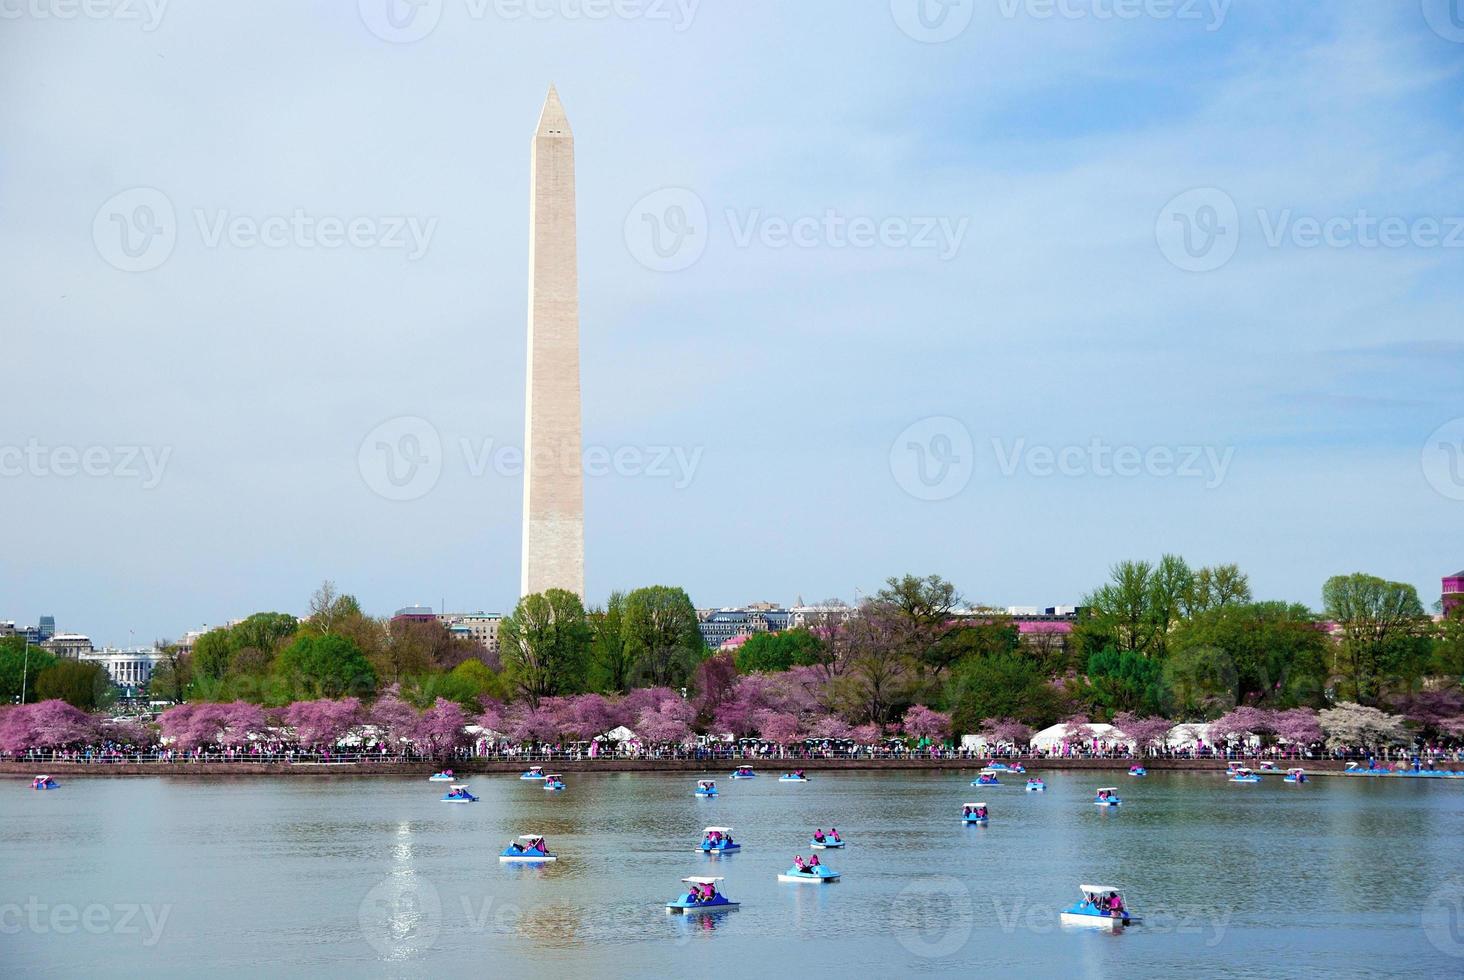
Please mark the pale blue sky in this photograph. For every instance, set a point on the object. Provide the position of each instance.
(792, 375)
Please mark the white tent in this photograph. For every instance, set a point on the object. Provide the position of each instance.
(1052, 738)
(621, 734)
(1191, 735)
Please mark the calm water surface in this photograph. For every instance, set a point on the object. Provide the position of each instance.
(350, 876)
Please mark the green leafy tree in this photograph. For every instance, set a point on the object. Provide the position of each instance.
(778, 651)
(1385, 633)
(1199, 682)
(920, 611)
(172, 674)
(211, 654)
(19, 668)
(1277, 650)
(546, 644)
(1124, 680)
(1217, 587)
(1448, 649)
(612, 662)
(327, 666)
(1003, 686)
(1138, 606)
(660, 628)
(80, 684)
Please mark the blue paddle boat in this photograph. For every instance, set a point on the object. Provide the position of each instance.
(44, 782)
(744, 772)
(1107, 796)
(1244, 775)
(702, 896)
(445, 776)
(706, 787)
(830, 841)
(1036, 785)
(810, 873)
(975, 813)
(997, 766)
(718, 840)
(796, 776)
(1101, 907)
(554, 781)
(529, 848)
(458, 793)
(533, 772)
(987, 777)
(1138, 771)
(1294, 776)
(1017, 767)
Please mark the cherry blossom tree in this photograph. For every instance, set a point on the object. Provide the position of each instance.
(1351, 725)
(780, 727)
(1144, 732)
(1006, 731)
(395, 718)
(714, 680)
(830, 726)
(324, 722)
(1298, 727)
(922, 722)
(50, 724)
(525, 722)
(867, 734)
(440, 729)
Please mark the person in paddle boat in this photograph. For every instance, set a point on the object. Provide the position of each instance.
(834, 835)
(818, 836)
(1103, 794)
(44, 782)
(813, 863)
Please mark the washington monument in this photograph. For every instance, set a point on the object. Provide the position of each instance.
(554, 490)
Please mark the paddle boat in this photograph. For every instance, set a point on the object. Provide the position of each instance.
(987, 777)
(529, 847)
(829, 841)
(1138, 771)
(458, 793)
(706, 787)
(744, 772)
(554, 781)
(974, 813)
(1294, 776)
(1036, 785)
(533, 772)
(810, 871)
(718, 840)
(1107, 796)
(1231, 766)
(796, 776)
(1101, 907)
(702, 896)
(445, 776)
(997, 766)
(44, 782)
(1244, 775)
(1267, 766)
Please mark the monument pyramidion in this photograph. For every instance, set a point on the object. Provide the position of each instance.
(554, 492)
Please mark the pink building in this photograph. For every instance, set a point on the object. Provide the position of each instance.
(1453, 592)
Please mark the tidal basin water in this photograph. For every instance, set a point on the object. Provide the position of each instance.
(373, 876)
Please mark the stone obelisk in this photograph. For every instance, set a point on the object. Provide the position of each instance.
(554, 492)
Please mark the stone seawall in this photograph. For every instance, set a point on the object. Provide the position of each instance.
(471, 766)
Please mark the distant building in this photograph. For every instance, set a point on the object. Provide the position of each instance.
(717, 626)
(414, 614)
(71, 645)
(42, 631)
(1453, 592)
(129, 669)
(480, 627)
(7, 628)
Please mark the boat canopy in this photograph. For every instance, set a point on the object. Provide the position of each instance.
(43, 777)
(1097, 889)
(702, 881)
(990, 772)
(554, 775)
(457, 786)
(1296, 770)
(974, 804)
(531, 836)
(1242, 771)
(1111, 789)
(706, 782)
(719, 830)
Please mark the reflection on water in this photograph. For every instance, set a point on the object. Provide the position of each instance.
(336, 875)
